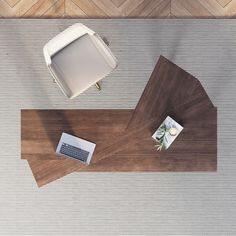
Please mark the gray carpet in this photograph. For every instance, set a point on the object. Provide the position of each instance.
(118, 203)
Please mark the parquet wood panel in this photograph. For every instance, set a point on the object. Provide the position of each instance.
(123, 137)
(38, 147)
(169, 91)
(99, 126)
(117, 8)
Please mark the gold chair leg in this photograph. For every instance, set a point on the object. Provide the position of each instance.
(98, 86)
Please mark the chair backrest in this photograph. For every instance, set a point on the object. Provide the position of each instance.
(78, 58)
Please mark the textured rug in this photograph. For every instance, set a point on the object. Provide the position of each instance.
(121, 203)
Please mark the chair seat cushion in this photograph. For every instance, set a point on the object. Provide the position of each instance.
(80, 65)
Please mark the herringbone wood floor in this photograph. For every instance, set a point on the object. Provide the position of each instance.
(117, 8)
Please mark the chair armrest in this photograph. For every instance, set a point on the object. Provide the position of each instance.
(47, 56)
(104, 50)
(66, 37)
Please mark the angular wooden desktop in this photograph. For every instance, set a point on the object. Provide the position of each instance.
(123, 137)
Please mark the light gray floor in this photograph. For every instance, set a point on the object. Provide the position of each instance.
(118, 203)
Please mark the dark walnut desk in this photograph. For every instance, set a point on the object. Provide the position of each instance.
(123, 137)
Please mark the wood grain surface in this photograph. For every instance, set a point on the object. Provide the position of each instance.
(169, 91)
(42, 129)
(117, 8)
(123, 137)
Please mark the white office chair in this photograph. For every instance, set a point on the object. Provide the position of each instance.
(78, 58)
